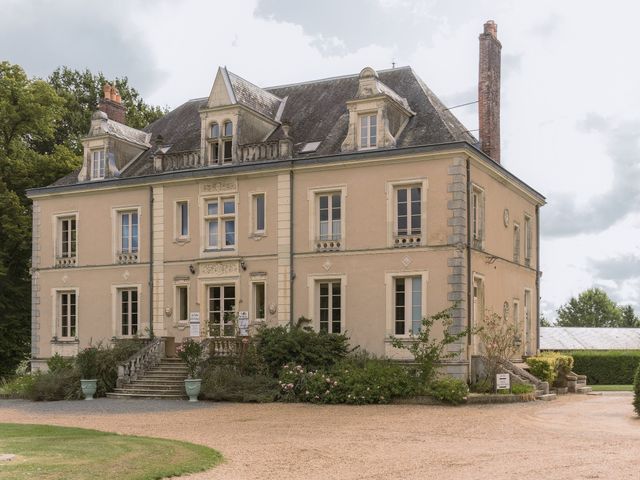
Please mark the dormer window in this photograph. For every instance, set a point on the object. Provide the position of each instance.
(97, 164)
(227, 143)
(369, 131)
(228, 129)
(215, 131)
(221, 146)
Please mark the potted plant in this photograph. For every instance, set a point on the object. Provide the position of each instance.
(87, 362)
(190, 352)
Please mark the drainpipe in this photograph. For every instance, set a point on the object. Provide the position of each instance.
(538, 277)
(151, 261)
(469, 276)
(292, 275)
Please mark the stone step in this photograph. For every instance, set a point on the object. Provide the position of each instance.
(546, 397)
(151, 391)
(157, 381)
(138, 395)
(152, 386)
(168, 370)
(584, 389)
(165, 374)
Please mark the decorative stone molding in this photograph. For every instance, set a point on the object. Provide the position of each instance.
(66, 262)
(220, 269)
(225, 185)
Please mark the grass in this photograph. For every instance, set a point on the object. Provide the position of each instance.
(612, 388)
(51, 453)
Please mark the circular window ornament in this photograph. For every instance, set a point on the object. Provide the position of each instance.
(505, 217)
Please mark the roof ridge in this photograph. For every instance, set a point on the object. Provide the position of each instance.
(337, 77)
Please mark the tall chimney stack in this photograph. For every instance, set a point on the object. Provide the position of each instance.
(489, 91)
(111, 104)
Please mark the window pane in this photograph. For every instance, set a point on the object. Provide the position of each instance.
(228, 129)
(183, 302)
(373, 131)
(416, 304)
(400, 306)
(335, 206)
(125, 232)
(215, 131)
(212, 208)
(229, 233)
(134, 232)
(363, 132)
(215, 148)
(227, 150)
(259, 296)
(184, 219)
(213, 233)
(260, 212)
(229, 206)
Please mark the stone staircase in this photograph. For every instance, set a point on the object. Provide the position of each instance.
(521, 375)
(164, 381)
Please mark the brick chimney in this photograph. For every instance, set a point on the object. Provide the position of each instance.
(489, 91)
(111, 104)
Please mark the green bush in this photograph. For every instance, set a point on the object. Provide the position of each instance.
(108, 358)
(610, 367)
(521, 388)
(449, 390)
(550, 366)
(227, 384)
(636, 391)
(57, 385)
(17, 387)
(87, 363)
(356, 380)
(58, 362)
(279, 346)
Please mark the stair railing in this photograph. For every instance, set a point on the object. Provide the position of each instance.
(141, 361)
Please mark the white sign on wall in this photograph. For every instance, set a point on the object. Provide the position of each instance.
(194, 324)
(243, 323)
(503, 381)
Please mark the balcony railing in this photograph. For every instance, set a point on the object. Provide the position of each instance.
(66, 262)
(328, 244)
(128, 257)
(404, 241)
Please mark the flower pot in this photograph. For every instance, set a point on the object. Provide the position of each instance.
(192, 387)
(89, 388)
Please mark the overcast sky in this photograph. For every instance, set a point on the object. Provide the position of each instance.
(570, 88)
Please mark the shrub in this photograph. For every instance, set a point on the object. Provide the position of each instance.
(611, 367)
(225, 383)
(521, 388)
(87, 363)
(498, 339)
(550, 366)
(17, 387)
(58, 362)
(191, 353)
(57, 385)
(449, 390)
(278, 346)
(636, 391)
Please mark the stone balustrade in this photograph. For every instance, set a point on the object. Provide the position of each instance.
(66, 262)
(402, 241)
(141, 361)
(128, 257)
(328, 245)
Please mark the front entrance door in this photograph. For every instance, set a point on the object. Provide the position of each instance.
(222, 310)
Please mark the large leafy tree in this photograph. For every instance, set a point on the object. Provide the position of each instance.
(592, 308)
(41, 124)
(629, 317)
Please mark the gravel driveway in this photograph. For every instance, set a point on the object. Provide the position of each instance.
(573, 437)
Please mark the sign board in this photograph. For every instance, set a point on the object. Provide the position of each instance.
(194, 324)
(503, 381)
(243, 323)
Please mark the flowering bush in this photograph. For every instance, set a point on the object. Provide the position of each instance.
(190, 352)
(373, 381)
(449, 390)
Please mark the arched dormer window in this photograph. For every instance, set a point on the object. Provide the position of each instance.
(214, 131)
(228, 129)
(220, 142)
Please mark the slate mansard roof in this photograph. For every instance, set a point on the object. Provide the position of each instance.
(316, 112)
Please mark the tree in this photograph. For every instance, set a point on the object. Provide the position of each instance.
(629, 318)
(592, 308)
(499, 341)
(544, 322)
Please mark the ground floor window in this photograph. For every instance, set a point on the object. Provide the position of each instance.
(330, 306)
(128, 311)
(182, 299)
(407, 305)
(67, 314)
(259, 301)
(222, 310)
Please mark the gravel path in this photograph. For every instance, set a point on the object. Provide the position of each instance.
(573, 437)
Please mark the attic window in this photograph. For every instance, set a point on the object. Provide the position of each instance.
(310, 147)
(215, 130)
(369, 130)
(228, 129)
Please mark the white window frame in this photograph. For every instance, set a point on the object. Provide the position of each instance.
(177, 302)
(130, 248)
(367, 131)
(116, 226)
(221, 219)
(116, 325)
(313, 199)
(254, 304)
(253, 214)
(477, 208)
(390, 282)
(221, 284)
(224, 139)
(56, 324)
(98, 171)
(178, 220)
(57, 232)
(392, 222)
(331, 235)
(528, 240)
(313, 291)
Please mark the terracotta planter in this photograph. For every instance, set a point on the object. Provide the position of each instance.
(89, 388)
(192, 387)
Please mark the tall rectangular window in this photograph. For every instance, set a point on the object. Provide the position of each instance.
(409, 211)
(129, 311)
(227, 151)
(220, 223)
(259, 301)
(182, 219)
(368, 131)
(330, 306)
(67, 238)
(182, 299)
(527, 240)
(222, 310)
(330, 216)
(97, 164)
(516, 243)
(258, 213)
(407, 305)
(129, 232)
(67, 314)
(477, 217)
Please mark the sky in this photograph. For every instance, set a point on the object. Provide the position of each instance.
(570, 97)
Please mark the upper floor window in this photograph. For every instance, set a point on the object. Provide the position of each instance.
(228, 129)
(408, 210)
(182, 219)
(329, 216)
(258, 213)
(214, 131)
(67, 237)
(477, 217)
(129, 232)
(221, 146)
(67, 314)
(527, 240)
(368, 131)
(97, 164)
(220, 222)
(516, 243)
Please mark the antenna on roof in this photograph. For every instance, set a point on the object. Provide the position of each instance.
(393, 63)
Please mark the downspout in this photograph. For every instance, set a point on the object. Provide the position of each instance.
(292, 275)
(538, 277)
(469, 277)
(151, 262)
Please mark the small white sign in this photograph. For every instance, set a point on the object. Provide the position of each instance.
(194, 324)
(243, 323)
(503, 381)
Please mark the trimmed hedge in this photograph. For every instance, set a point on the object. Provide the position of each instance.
(551, 367)
(636, 391)
(607, 367)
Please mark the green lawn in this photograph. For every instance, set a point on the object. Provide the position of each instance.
(612, 388)
(50, 453)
